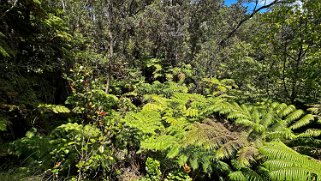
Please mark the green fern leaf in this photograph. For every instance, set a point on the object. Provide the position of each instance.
(286, 164)
(246, 156)
(283, 134)
(152, 107)
(182, 159)
(190, 112)
(194, 163)
(228, 149)
(294, 115)
(284, 110)
(310, 133)
(267, 119)
(237, 176)
(244, 122)
(57, 109)
(174, 151)
(292, 173)
(303, 121)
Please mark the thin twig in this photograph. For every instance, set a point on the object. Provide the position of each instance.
(8, 10)
(255, 11)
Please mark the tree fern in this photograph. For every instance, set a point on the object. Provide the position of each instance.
(213, 135)
(246, 174)
(310, 133)
(268, 117)
(296, 114)
(283, 163)
(269, 120)
(302, 122)
(202, 159)
(220, 142)
(284, 110)
(237, 176)
(173, 125)
(158, 100)
(315, 109)
(307, 145)
(162, 143)
(146, 121)
(247, 156)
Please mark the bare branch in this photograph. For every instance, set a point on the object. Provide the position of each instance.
(8, 10)
(255, 11)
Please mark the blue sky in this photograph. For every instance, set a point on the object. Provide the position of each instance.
(229, 2)
(249, 5)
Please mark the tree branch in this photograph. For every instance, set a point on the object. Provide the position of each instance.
(8, 10)
(255, 11)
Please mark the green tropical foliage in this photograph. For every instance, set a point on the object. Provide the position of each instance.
(160, 90)
(283, 163)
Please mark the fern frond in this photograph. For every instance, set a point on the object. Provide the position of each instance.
(145, 121)
(282, 134)
(194, 162)
(178, 122)
(161, 143)
(278, 150)
(244, 122)
(229, 149)
(237, 176)
(246, 156)
(212, 135)
(206, 135)
(237, 115)
(267, 119)
(156, 99)
(256, 116)
(152, 107)
(246, 174)
(296, 114)
(286, 164)
(173, 151)
(57, 109)
(206, 163)
(276, 164)
(215, 104)
(293, 173)
(182, 159)
(276, 104)
(315, 110)
(198, 157)
(310, 133)
(246, 109)
(190, 112)
(286, 110)
(305, 120)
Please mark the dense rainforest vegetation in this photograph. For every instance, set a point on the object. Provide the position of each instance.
(156, 90)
